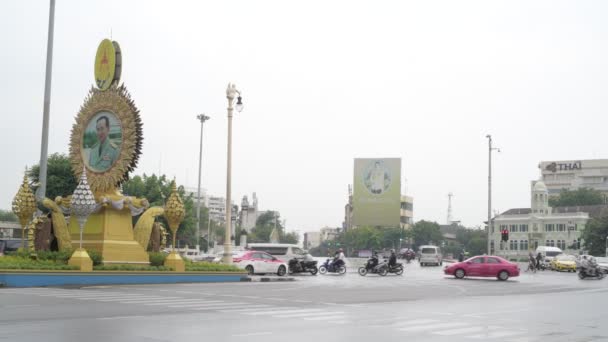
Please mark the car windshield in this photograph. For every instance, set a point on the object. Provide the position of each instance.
(552, 253)
(428, 251)
(564, 257)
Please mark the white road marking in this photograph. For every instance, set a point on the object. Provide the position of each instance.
(123, 299)
(459, 331)
(434, 326)
(206, 304)
(253, 334)
(183, 302)
(118, 317)
(322, 318)
(500, 333)
(216, 308)
(250, 308)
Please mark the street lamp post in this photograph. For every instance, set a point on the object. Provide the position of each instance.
(231, 93)
(490, 149)
(202, 118)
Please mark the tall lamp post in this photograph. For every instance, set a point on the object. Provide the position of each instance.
(231, 93)
(202, 118)
(490, 149)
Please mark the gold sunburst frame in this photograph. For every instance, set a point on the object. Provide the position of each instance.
(117, 101)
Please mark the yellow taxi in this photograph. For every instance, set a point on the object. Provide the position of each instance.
(564, 262)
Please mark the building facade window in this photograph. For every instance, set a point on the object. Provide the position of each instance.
(513, 245)
(523, 245)
(549, 227)
(523, 228)
(561, 244)
(561, 227)
(491, 245)
(513, 228)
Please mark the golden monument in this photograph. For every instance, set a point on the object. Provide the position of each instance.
(24, 206)
(105, 145)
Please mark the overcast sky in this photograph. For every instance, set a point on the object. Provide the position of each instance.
(324, 82)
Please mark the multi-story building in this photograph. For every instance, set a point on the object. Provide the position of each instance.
(540, 225)
(575, 174)
(249, 213)
(407, 212)
(328, 234)
(311, 240)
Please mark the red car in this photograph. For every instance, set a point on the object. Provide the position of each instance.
(483, 266)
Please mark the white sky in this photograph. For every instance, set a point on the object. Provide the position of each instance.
(324, 82)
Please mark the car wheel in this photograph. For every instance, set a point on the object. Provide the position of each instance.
(503, 275)
(281, 271)
(459, 273)
(249, 269)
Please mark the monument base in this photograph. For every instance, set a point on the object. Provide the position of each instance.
(175, 262)
(81, 259)
(110, 232)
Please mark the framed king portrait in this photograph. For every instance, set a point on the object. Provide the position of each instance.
(106, 139)
(102, 141)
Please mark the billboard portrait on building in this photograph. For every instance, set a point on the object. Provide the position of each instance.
(377, 192)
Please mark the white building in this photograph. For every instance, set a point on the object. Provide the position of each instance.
(540, 225)
(249, 213)
(575, 174)
(311, 240)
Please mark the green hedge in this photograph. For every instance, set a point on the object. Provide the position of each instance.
(131, 268)
(208, 266)
(12, 262)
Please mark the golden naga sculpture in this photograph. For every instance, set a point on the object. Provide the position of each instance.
(143, 227)
(60, 226)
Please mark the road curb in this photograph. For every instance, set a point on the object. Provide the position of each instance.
(268, 279)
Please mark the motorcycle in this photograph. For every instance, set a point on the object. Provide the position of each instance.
(302, 266)
(385, 268)
(371, 266)
(590, 272)
(330, 266)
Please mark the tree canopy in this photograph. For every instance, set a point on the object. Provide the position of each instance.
(579, 197)
(264, 225)
(595, 234)
(7, 215)
(60, 180)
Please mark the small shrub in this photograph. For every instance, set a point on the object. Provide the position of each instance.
(157, 258)
(60, 257)
(96, 257)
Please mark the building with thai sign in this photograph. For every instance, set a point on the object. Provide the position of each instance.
(575, 174)
(541, 225)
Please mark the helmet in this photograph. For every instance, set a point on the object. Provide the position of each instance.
(392, 251)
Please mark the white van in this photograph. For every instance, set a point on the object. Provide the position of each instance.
(549, 253)
(430, 255)
(282, 251)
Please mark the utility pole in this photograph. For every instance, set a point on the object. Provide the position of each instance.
(202, 118)
(490, 223)
(450, 219)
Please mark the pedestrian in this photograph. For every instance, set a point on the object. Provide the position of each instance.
(461, 257)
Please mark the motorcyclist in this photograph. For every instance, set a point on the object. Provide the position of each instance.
(531, 262)
(539, 259)
(339, 258)
(392, 260)
(373, 262)
(461, 257)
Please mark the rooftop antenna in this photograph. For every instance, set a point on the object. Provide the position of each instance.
(450, 219)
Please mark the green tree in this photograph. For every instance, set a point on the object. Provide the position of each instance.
(582, 196)
(6, 215)
(595, 234)
(264, 226)
(425, 232)
(60, 180)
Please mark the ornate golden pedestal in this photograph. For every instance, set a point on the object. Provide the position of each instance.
(81, 259)
(175, 262)
(110, 232)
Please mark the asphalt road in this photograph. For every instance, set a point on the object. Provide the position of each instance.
(421, 305)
